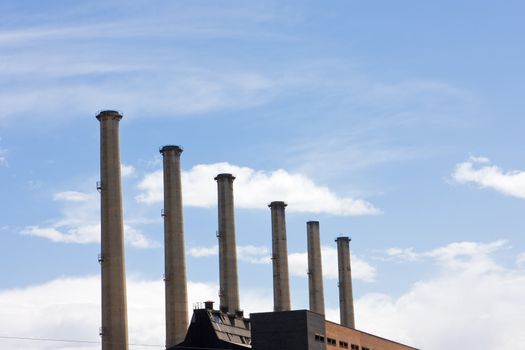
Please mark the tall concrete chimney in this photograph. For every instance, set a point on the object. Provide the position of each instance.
(174, 259)
(229, 287)
(315, 268)
(346, 300)
(114, 330)
(281, 284)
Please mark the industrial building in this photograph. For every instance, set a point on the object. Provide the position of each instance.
(226, 327)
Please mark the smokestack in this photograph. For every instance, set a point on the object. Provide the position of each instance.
(315, 268)
(174, 258)
(114, 330)
(346, 300)
(281, 286)
(229, 287)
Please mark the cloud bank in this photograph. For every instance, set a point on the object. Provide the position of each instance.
(473, 300)
(255, 189)
(480, 171)
(69, 308)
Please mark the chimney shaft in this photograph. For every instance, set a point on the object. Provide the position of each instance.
(174, 258)
(346, 301)
(229, 288)
(315, 268)
(114, 309)
(281, 286)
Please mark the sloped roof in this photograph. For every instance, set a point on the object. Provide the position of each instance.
(214, 329)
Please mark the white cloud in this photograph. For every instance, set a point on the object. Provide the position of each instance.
(79, 234)
(297, 262)
(467, 256)
(361, 270)
(3, 157)
(137, 239)
(69, 308)
(72, 196)
(249, 253)
(480, 171)
(456, 255)
(255, 189)
(520, 260)
(85, 233)
(481, 160)
(403, 254)
(474, 301)
(127, 170)
(199, 252)
(254, 254)
(80, 223)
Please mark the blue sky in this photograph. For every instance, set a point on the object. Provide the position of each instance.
(397, 123)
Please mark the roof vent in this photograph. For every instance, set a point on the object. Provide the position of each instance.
(208, 305)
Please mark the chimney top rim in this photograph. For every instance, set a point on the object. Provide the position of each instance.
(109, 114)
(277, 204)
(343, 238)
(166, 148)
(224, 176)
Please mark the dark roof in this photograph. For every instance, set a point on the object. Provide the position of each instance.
(215, 329)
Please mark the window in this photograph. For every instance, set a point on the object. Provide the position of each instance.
(364, 348)
(343, 344)
(331, 341)
(246, 340)
(319, 337)
(354, 347)
(217, 318)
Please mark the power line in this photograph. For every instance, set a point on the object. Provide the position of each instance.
(71, 341)
(77, 341)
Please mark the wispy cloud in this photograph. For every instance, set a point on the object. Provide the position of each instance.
(201, 252)
(3, 157)
(297, 262)
(255, 189)
(88, 62)
(361, 270)
(520, 260)
(343, 152)
(83, 63)
(186, 92)
(249, 253)
(471, 256)
(457, 255)
(127, 170)
(80, 223)
(72, 196)
(173, 21)
(403, 254)
(480, 171)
